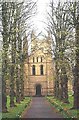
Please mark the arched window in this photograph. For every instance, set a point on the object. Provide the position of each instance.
(37, 59)
(33, 60)
(41, 69)
(41, 59)
(33, 70)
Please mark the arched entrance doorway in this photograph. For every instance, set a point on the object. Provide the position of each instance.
(38, 90)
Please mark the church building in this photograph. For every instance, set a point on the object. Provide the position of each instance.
(39, 69)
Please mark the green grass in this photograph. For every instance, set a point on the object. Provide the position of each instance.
(0, 116)
(16, 112)
(64, 108)
(8, 101)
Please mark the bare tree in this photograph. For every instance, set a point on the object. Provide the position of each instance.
(73, 8)
(4, 54)
(61, 30)
(15, 17)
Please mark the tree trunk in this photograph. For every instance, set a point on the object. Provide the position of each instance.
(76, 88)
(12, 94)
(4, 97)
(4, 56)
(17, 84)
(64, 84)
(22, 81)
(65, 90)
(61, 87)
(76, 70)
(56, 83)
(13, 54)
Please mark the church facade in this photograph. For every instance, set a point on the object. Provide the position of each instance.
(39, 69)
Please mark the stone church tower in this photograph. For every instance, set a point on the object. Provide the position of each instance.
(39, 69)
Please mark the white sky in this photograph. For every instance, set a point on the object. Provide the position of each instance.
(40, 18)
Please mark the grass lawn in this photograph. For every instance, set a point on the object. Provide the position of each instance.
(0, 116)
(16, 112)
(64, 108)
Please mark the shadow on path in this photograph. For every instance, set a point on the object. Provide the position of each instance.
(41, 108)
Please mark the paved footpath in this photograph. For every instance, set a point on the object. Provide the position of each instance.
(40, 108)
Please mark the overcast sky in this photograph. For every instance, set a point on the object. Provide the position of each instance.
(40, 17)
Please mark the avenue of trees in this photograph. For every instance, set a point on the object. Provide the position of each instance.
(63, 24)
(14, 17)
